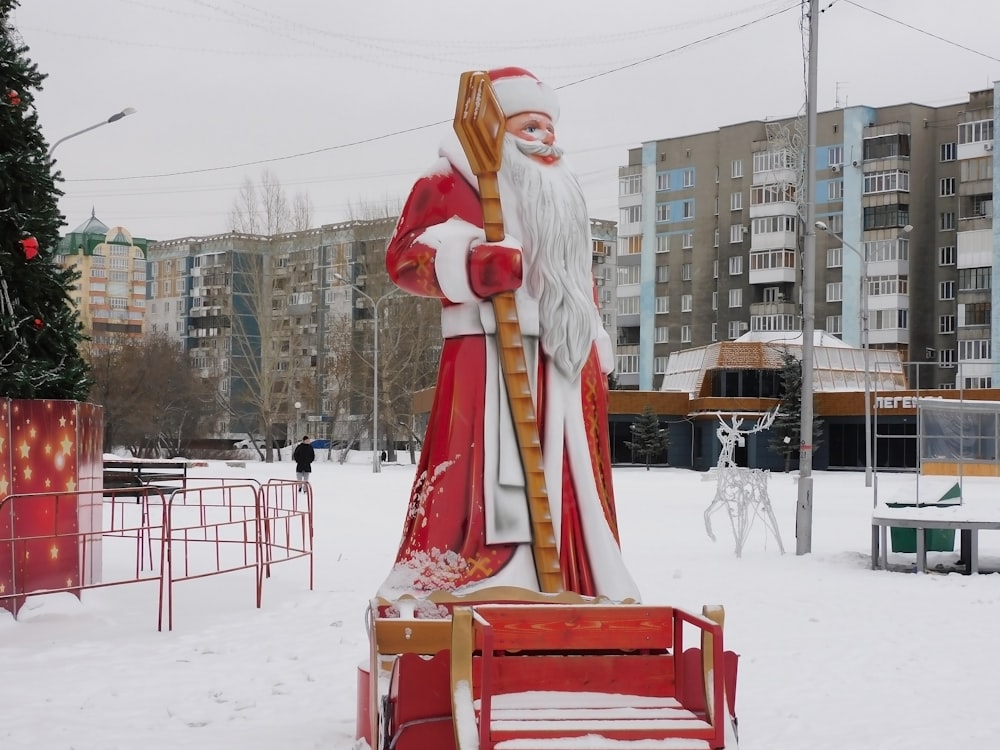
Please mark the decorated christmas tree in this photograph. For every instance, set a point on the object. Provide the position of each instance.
(40, 331)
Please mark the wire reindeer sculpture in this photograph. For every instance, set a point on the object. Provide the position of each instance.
(741, 491)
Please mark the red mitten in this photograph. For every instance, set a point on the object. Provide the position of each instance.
(494, 268)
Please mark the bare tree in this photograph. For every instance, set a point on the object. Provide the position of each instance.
(153, 401)
(261, 208)
(302, 212)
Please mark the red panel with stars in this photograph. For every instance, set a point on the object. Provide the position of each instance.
(49, 450)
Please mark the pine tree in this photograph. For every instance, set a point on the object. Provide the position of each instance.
(787, 428)
(40, 331)
(648, 438)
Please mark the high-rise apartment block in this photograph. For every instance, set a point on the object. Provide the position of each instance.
(711, 233)
(111, 292)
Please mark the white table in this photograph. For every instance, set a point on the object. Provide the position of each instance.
(968, 518)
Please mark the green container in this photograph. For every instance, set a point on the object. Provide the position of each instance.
(935, 540)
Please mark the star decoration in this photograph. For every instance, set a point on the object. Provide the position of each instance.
(54, 552)
(67, 445)
(25, 449)
(27, 472)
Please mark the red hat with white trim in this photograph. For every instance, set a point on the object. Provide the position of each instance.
(519, 91)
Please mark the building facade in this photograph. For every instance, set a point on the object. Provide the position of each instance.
(711, 232)
(110, 295)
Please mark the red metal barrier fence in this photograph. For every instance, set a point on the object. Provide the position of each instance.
(212, 527)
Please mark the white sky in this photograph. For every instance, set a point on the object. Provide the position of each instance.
(219, 83)
(834, 656)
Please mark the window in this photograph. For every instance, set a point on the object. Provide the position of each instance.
(736, 168)
(627, 364)
(970, 279)
(887, 146)
(974, 170)
(688, 178)
(889, 319)
(715, 300)
(734, 329)
(630, 245)
(762, 195)
(947, 186)
(946, 324)
(887, 181)
(663, 212)
(834, 257)
(736, 265)
(687, 301)
(768, 161)
(663, 304)
(628, 305)
(685, 334)
(836, 223)
(947, 221)
(834, 291)
(973, 349)
(736, 298)
(881, 250)
(835, 190)
(687, 209)
(771, 224)
(716, 206)
(946, 290)
(949, 152)
(975, 132)
(715, 268)
(881, 285)
(631, 215)
(631, 185)
(660, 365)
(687, 240)
(661, 335)
(686, 272)
(975, 314)
(880, 217)
(736, 233)
(946, 358)
(765, 259)
(662, 181)
(834, 324)
(984, 381)
(715, 242)
(736, 201)
(946, 255)
(835, 155)
(772, 294)
(715, 331)
(627, 275)
(663, 243)
(662, 274)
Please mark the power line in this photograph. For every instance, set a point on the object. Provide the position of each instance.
(417, 128)
(931, 34)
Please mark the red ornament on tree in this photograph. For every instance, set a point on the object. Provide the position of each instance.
(13, 97)
(39, 324)
(30, 247)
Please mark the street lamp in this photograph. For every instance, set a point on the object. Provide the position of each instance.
(376, 458)
(114, 118)
(865, 328)
(295, 437)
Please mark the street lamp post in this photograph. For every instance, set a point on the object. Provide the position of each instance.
(865, 329)
(114, 118)
(295, 436)
(376, 458)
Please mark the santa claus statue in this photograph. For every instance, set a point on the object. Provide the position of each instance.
(468, 521)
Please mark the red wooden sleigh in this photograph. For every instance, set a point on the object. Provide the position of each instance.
(511, 668)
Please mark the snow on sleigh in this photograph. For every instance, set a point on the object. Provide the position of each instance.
(511, 668)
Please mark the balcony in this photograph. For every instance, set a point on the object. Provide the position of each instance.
(772, 267)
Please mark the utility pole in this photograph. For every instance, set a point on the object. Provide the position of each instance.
(804, 505)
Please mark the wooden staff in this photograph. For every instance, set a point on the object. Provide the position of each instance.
(480, 125)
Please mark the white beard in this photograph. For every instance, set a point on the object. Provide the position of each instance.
(546, 211)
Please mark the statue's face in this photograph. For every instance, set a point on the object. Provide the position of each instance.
(534, 126)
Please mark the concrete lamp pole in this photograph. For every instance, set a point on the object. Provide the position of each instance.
(376, 457)
(865, 330)
(114, 118)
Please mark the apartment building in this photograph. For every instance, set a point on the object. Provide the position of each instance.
(711, 233)
(110, 295)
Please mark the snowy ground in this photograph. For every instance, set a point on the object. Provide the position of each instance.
(835, 656)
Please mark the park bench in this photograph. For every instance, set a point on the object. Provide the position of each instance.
(121, 474)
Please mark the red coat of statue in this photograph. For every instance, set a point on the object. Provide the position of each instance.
(467, 523)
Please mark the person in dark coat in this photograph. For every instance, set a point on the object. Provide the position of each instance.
(303, 455)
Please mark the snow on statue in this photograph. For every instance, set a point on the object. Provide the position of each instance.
(468, 520)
